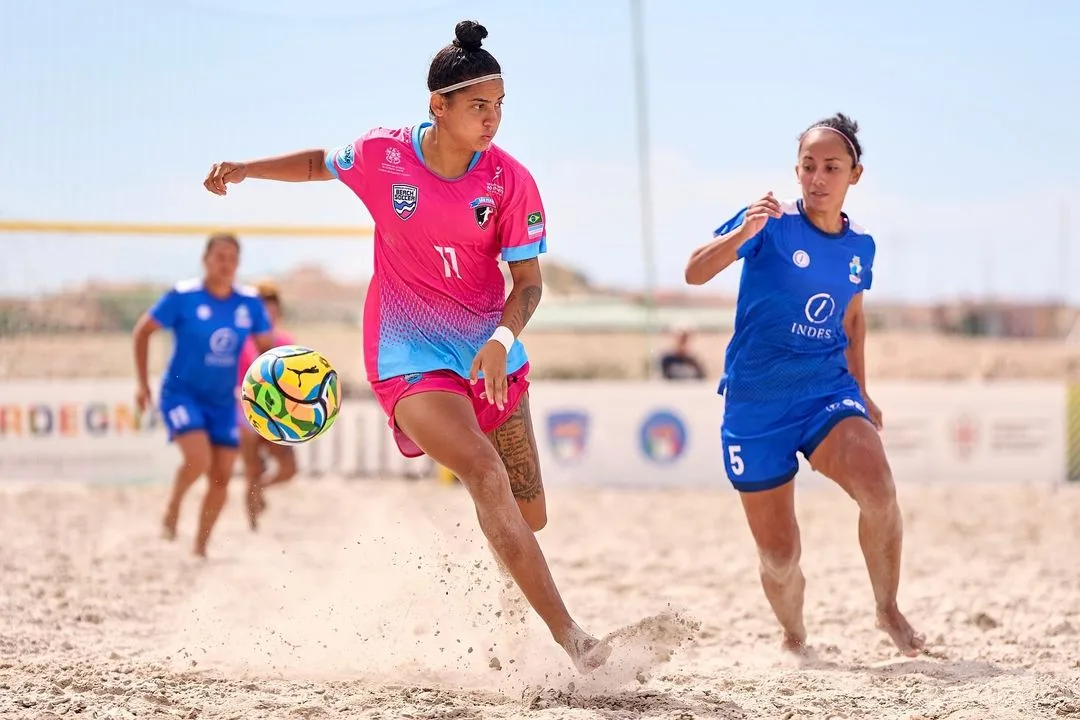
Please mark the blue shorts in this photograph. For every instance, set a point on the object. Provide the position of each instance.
(760, 440)
(183, 414)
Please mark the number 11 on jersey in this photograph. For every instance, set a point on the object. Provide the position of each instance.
(449, 258)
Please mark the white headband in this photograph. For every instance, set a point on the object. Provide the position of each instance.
(850, 144)
(467, 83)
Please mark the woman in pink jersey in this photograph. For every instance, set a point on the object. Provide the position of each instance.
(440, 334)
(253, 448)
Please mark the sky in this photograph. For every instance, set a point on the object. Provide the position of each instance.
(114, 110)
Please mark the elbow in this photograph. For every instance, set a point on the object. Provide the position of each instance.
(693, 274)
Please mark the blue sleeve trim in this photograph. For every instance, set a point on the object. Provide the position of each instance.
(731, 224)
(525, 252)
(329, 162)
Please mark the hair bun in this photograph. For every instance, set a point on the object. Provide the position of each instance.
(469, 35)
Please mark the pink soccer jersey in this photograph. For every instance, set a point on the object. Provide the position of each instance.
(249, 352)
(437, 293)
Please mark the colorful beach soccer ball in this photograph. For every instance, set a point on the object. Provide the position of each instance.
(290, 394)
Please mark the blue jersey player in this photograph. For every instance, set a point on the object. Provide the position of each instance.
(210, 319)
(794, 378)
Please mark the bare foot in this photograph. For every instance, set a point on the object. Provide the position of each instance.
(168, 527)
(200, 551)
(906, 639)
(586, 652)
(794, 643)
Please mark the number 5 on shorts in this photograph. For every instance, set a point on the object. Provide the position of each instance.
(734, 460)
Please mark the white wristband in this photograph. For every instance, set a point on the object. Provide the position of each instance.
(504, 336)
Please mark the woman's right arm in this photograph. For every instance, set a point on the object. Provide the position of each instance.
(303, 166)
(709, 260)
(144, 328)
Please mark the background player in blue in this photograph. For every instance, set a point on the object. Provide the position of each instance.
(210, 319)
(794, 377)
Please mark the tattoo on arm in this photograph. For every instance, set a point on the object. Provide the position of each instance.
(521, 305)
(516, 445)
(310, 168)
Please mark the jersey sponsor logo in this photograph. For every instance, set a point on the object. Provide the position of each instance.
(224, 346)
(345, 157)
(392, 162)
(818, 310)
(801, 258)
(855, 270)
(663, 437)
(495, 187)
(846, 403)
(405, 198)
(483, 211)
(568, 435)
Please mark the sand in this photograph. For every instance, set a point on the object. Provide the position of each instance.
(378, 600)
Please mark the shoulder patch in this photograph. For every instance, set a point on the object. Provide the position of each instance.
(246, 290)
(189, 286)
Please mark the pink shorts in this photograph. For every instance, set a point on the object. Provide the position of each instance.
(388, 392)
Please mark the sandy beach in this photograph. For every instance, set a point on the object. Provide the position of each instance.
(378, 600)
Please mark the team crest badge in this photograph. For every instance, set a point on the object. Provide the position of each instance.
(483, 211)
(405, 198)
(568, 435)
(663, 437)
(855, 270)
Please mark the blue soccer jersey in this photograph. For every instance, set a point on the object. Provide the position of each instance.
(209, 333)
(786, 381)
(797, 281)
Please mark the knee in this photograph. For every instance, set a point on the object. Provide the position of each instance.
(876, 493)
(537, 519)
(196, 465)
(218, 479)
(495, 507)
(779, 561)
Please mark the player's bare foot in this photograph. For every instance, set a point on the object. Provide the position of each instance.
(794, 643)
(909, 642)
(199, 551)
(586, 652)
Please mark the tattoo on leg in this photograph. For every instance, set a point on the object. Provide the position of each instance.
(516, 446)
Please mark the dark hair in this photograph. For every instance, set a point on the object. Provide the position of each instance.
(847, 127)
(228, 238)
(463, 59)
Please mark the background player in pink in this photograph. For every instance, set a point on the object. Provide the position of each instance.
(440, 333)
(253, 447)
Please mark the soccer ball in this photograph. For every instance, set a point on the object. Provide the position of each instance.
(290, 394)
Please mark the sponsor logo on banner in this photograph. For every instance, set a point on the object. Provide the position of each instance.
(74, 419)
(663, 437)
(568, 435)
(964, 436)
